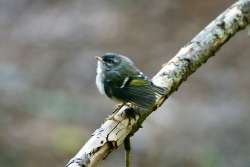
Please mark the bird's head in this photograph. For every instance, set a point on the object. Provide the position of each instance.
(112, 61)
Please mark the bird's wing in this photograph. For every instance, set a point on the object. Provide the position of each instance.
(139, 91)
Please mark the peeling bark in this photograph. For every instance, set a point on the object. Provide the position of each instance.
(116, 128)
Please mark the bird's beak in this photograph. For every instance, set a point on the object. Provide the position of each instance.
(98, 58)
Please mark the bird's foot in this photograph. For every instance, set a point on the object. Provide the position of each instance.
(131, 114)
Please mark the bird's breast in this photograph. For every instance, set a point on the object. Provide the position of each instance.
(100, 78)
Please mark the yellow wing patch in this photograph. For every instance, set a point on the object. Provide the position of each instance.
(137, 82)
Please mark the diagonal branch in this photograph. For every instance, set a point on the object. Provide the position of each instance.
(113, 131)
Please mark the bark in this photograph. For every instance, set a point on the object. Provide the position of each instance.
(116, 128)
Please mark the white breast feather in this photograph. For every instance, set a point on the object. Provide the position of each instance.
(99, 78)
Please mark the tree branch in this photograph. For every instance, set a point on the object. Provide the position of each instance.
(113, 131)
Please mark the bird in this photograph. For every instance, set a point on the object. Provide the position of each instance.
(119, 79)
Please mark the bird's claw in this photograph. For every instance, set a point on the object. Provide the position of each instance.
(131, 114)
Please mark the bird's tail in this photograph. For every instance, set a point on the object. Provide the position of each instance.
(159, 91)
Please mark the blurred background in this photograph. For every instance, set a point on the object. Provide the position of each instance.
(49, 104)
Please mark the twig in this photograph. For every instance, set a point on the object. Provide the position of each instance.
(127, 147)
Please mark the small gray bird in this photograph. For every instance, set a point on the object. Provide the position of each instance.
(119, 79)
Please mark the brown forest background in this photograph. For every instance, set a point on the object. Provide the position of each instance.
(49, 104)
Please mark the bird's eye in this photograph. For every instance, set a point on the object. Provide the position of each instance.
(110, 61)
